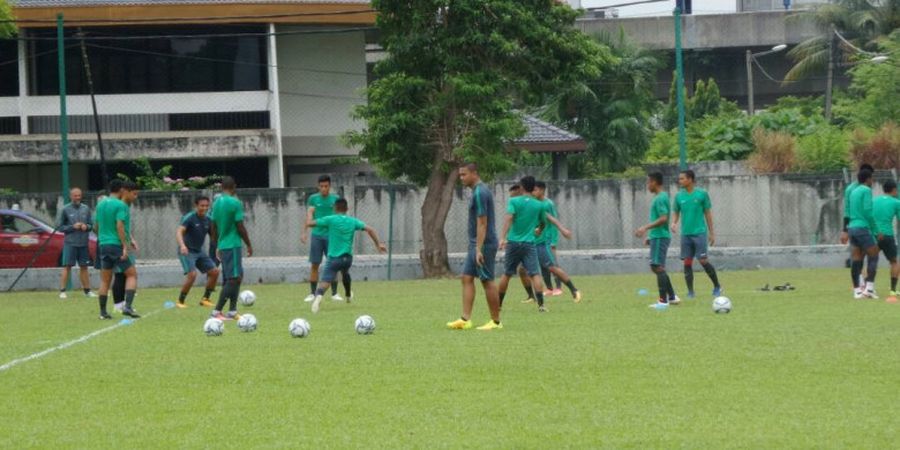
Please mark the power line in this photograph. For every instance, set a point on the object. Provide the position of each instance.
(194, 19)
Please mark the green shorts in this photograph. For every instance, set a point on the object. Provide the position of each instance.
(659, 248)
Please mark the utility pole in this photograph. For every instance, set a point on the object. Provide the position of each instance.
(679, 92)
(750, 105)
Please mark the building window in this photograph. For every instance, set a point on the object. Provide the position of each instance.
(155, 65)
(9, 68)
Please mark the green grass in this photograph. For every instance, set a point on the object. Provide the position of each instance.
(810, 368)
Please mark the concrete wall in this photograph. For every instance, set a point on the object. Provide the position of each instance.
(128, 146)
(321, 77)
(750, 211)
(741, 30)
(406, 267)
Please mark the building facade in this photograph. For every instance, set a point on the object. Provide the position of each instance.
(260, 90)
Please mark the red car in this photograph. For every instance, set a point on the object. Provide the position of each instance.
(22, 234)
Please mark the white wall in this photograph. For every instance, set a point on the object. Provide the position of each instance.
(320, 80)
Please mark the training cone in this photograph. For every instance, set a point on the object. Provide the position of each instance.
(642, 292)
(169, 304)
(891, 299)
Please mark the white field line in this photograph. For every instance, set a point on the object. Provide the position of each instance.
(68, 344)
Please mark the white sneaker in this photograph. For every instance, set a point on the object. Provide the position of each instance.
(119, 306)
(337, 298)
(309, 298)
(675, 301)
(91, 294)
(316, 303)
(858, 294)
(870, 290)
(63, 295)
(350, 298)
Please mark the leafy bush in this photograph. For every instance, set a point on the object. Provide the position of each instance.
(8, 191)
(725, 139)
(881, 148)
(663, 147)
(826, 150)
(159, 180)
(807, 106)
(791, 121)
(774, 151)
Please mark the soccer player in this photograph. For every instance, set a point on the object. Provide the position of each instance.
(190, 235)
(845, 237)
(515, 191)
(341, 228)
(658, 237)
(76, 223)
(546, 259)
(227, 232)
(693, 210)
(860, 229)
(320, 205)
(885, 208)
(524, 214)
(482, 252)
(114, 230)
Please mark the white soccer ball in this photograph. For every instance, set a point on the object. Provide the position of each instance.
(299, 328)
(213, 327)
(365, 325)
(722, 305)
(247, 323)
(247, 298)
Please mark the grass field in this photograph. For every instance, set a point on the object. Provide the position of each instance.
(809, 368)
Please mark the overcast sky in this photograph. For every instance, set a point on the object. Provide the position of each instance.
(664, 7)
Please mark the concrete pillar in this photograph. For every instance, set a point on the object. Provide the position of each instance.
(23, 84)
(276, 165)
(560, 167)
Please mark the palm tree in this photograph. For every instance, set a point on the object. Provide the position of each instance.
(861, 22)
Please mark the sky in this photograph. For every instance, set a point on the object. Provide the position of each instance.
(664, 7)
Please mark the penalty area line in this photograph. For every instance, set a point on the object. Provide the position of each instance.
(68, 344)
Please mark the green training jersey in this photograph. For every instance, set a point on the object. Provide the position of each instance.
(850, 187)
(659, 208)
(550, 233)
(109, 212)
(692, 207)
(885, 208)
(324, 207)
(861, 208)
(528, 212)
(341, 229)
(227, 212)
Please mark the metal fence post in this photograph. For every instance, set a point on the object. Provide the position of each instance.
(390, 231)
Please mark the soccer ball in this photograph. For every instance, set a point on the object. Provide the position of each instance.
(722, 305)
(247, 298)
(365, 325)
(247, 323)
(299, 328)
(213, 327)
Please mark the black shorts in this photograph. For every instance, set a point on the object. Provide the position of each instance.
(111, 258)
(888, 246)
(232, 266)
(336, 264)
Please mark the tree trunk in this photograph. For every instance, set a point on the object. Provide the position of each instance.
(438, 199)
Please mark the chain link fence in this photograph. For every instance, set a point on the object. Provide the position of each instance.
(748, 211)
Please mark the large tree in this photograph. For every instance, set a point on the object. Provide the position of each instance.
(611, 112)
(7, 28)
(448, 90)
